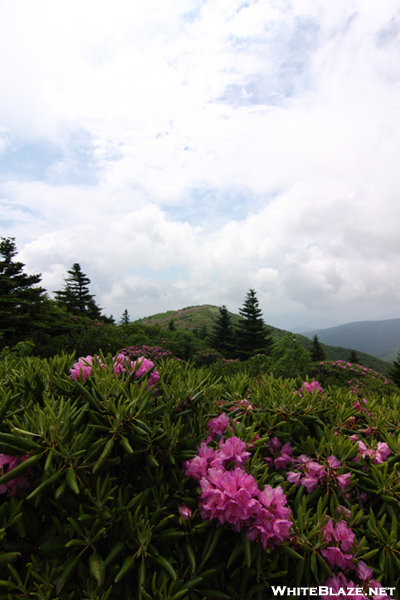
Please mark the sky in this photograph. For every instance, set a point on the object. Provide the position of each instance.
(184, 152)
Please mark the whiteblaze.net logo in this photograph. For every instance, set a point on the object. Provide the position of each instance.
(283, 590)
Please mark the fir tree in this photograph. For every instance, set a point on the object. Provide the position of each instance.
(252, 337)
(75, 296)
(394, 373)
(353, 357)
(317, 352)
(125, 319)
(20, 298)
(221, 337)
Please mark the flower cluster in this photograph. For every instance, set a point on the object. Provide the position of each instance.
(376, 455)
(311, 473)
(341, 553)
(19, 482)
(152, 352)
(309, 388)
(120, 365)
(282, 455)
(231, 496)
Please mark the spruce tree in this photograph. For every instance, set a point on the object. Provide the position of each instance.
(394, 373)
(125, 319)
(75, 296)
(221, 337)
(317, 352)
(252, 337)
(353, 357)
(20, 298)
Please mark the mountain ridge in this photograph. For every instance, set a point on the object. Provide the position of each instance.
(195, 318)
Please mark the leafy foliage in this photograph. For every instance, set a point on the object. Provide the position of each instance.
(110, 513)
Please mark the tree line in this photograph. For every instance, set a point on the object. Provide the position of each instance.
(27, 312)
(71, 321)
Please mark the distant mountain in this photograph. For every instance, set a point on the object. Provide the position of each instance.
(194, 318)
(379, 338)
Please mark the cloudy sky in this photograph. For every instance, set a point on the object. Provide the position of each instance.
(185, 151)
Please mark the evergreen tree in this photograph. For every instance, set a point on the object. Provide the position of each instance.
(125, 319)
(20, 299)
(221, 337)
(353, 357)
(75, 296)
(252, 337)
(394, 373)
(317, 352)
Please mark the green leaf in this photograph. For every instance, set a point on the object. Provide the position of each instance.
(44, 485)
(104, 455)
(97, 568)
(127, 567)
(21, 468)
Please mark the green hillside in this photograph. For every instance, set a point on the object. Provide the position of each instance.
(195, 318)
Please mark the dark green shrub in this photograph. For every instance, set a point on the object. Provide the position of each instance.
(106, 514)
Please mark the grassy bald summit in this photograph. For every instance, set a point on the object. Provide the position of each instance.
(201, 319)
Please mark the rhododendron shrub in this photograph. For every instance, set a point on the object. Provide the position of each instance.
(207, 488)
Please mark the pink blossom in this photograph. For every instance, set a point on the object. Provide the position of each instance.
(294, 477)
(198, 466)
(378, 456)
(336, 557)
(83, 367)
(218, 425)
(343, 534)
(337, 584)
(233, 449)
(343, 511)
(19, 482)
(273, 521)
(185, 512)
(343, 480)
(333, 462)
(228, 496)
(363, 571)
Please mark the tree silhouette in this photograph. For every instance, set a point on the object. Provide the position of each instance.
(221, 337)
(394, 373)
(252, 336)
(125, 319)
(317, 352)
(353, 357)
(75, 296)
(20, 299)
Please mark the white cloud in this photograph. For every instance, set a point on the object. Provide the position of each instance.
(206, 147)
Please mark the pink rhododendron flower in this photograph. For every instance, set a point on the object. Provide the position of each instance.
(228, 496)
(198, 466)
(338, 585)
(282, 454)
(335, 557)
(333, 462)
(377, 456)
(185, 512)
(19, 482)
(273, 521)
(363, 571)
(233, 449)
(294, 477)
(83, 367)
(218, 425)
